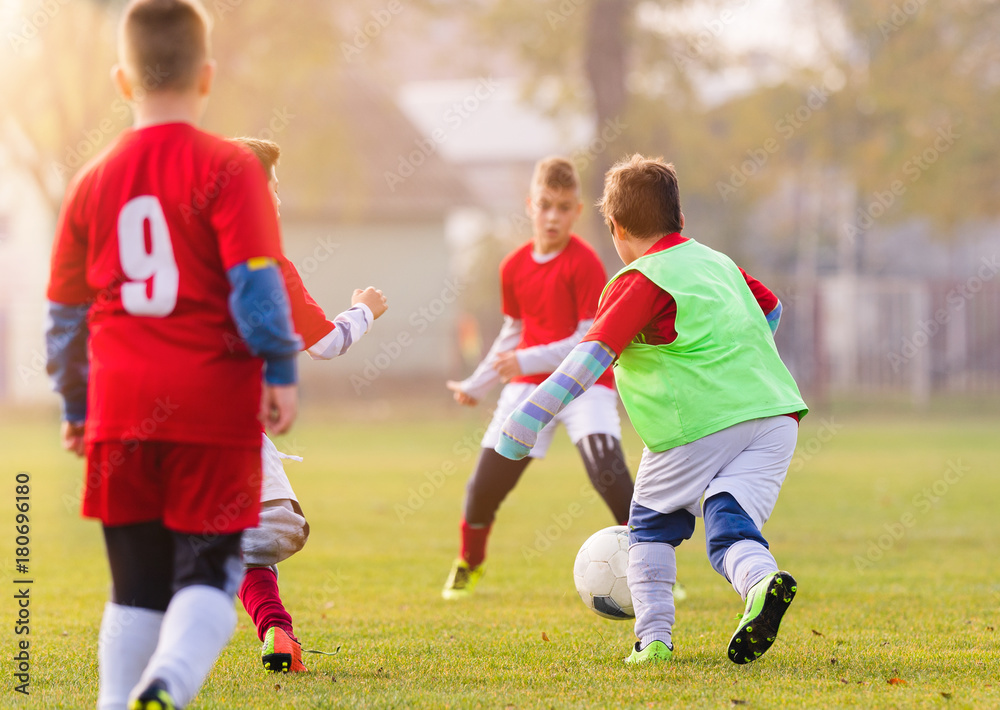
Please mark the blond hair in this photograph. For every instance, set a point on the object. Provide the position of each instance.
(556, 173)
(642, 196)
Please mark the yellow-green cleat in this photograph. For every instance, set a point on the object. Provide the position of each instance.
(462, 580)
(154, 697)
(655, 652)
(767, 602)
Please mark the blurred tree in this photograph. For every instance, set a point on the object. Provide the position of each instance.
(281, 75)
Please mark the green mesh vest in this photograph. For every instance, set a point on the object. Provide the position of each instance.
(722, 369)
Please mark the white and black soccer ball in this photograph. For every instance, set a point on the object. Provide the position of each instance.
(599, 573)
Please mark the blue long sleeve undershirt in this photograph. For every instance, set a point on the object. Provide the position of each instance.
(259, 305)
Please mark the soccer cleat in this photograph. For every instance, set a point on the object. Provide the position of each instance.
(154, 697)
(655, 652)
(766, 604)
(462, 581)
(281, 653)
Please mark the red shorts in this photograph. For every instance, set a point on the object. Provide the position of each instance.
(192, 488)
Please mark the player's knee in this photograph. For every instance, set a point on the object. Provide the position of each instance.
(279, 534)
(647, 525)
(212, 561)
(726, 523)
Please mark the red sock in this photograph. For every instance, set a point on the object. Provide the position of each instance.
(474, 543)
(259, 594)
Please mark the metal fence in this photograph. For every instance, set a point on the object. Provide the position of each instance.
(851, 335)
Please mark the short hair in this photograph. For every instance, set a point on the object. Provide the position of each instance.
(267, 152)
(162, 44)
(555, 172)
(643, 197)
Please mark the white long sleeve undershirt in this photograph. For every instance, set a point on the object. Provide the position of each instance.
(482, 380)
(348, 327)
(544, 359)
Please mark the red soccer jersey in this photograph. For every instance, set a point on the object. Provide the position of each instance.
(552, 298)
(308, 318)
(147, 232)
(636, 307)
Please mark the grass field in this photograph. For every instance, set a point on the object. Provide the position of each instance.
(889, 525)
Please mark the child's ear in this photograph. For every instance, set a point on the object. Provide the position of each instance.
(682, 220)
(205, 77)
(121, 82)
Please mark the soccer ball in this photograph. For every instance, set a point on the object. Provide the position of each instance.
(599, 573)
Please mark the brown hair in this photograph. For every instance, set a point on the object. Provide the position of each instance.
(162, 44)
(556, 173)
(267, 152)
(642, 196)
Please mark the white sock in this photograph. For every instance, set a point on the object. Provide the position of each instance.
(196, 627)
(652, 571)
(127, 639)
(746, 563)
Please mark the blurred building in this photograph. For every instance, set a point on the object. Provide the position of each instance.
(26, 228)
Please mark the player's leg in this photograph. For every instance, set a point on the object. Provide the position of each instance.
(140, 593)
(216, 492)
(594, 426)
(605, 463)
(281, 532)
(652, 573)
(492, 479)
(737, 503)
(200, 618)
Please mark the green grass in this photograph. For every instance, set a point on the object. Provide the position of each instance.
(384, 497)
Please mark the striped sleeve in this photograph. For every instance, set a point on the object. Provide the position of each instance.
(578, 372)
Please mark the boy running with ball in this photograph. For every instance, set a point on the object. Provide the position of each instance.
(550, 288)
(691, 337)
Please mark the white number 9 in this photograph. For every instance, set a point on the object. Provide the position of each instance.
(156, 265)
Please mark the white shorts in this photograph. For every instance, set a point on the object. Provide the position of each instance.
(274, 484)
(593, 412)
(747, 460)
(282, 530)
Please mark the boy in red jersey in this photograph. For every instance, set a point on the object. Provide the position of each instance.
(550, 288)
(691, 336)
(166, 248)
(283, 529)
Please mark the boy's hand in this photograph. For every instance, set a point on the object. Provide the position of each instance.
(507, 366)
(72, 437)
(279, 406)
(371, 297)
(460, 396)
